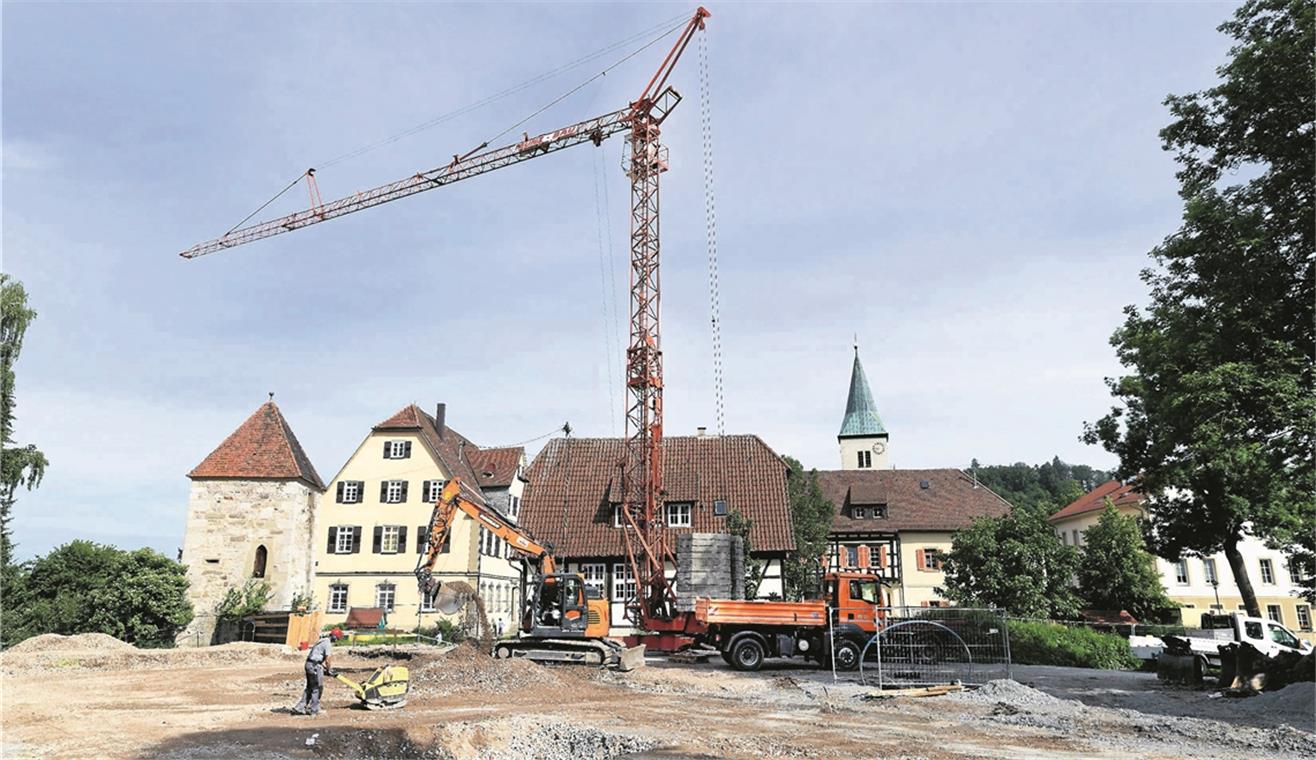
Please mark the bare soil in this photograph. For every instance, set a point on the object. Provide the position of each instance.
(233, 702)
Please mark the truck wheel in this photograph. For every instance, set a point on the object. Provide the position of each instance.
(747, 654)
(726, 657)
(847, 655)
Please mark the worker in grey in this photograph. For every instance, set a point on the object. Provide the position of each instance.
(317, 664)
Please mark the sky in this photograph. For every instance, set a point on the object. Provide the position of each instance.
(967, 189)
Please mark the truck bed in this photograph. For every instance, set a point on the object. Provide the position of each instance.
(738, 612)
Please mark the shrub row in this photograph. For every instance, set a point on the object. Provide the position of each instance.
(1040, 643)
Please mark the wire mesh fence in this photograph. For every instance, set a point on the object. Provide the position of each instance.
(923, 646)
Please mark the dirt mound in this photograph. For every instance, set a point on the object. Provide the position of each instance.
(82, 642)
(468, 669)
(1008, 692)
(126, 657)
(1296, 702)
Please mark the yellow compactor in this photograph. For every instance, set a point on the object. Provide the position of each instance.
(385, 689)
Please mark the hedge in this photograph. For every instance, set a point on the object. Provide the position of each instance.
(1041, 643)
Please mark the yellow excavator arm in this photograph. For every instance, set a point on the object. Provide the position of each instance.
(450, 503)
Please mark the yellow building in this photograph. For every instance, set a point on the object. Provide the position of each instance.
(1200, 584)
(896, 523)
(371, 526)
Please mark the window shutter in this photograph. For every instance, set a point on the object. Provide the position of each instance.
(356, 539)
(406, 450)
(421, 539)
(340, 492)
(360, 492)
(923, 604)
(379, 538)
(387, 446)
(403, 498)
(920, 560)
(865, 556)
(333, 534)
(425, 491)
(402, 539)
(881, 556)
(383, 492)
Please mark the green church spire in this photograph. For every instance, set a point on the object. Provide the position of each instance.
(860, 412)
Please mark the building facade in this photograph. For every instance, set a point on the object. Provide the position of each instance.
(373, 523)
(251, 511)
(898, 524)
(574, 497)
(1200, 584)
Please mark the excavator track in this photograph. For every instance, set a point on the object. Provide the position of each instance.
(598, 652)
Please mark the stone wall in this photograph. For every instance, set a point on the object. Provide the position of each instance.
(227, 521)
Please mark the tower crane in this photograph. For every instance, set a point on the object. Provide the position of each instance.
(648, 546)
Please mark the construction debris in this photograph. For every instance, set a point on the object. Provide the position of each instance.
(925, 691)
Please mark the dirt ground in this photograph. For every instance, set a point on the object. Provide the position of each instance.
(232, 702)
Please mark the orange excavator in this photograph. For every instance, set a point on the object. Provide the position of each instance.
(562, 619)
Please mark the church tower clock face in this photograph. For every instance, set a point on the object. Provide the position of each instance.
(879, 448)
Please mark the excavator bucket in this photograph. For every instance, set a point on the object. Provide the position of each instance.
(630, 658)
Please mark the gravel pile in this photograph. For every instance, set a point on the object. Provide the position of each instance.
(1011, 693)
(1295, 703)
(468, 669)
(532, 737)
(82, 642)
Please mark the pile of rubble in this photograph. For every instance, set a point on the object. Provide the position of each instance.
(466, 668)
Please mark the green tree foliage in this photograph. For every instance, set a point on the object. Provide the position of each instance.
(1034, 642)
(1014, 562)
(84, 587)
(1044, 487)
(1215, 416)
(739, 525)
(1115, 571)
(20, 466)
(811, 517)
(241, 601)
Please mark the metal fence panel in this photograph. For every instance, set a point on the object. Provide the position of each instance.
(925, 646)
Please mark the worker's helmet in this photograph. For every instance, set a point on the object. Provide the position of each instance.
(337, 633)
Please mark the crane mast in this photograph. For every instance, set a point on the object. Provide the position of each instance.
(645, 536)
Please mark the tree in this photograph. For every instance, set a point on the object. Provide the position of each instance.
(85, 587)
(1115, 571)
(811, 517)
(1215, 418)
(20, 466)
(1046, 487)
(1014, 562)
(241, 601)
(739, 525)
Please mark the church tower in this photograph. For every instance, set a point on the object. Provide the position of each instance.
(862, 438)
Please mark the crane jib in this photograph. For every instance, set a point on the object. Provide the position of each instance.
(594, 130)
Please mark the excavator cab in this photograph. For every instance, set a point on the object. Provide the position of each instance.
(559, 606)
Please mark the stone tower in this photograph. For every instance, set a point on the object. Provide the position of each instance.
(250, 515)
(864, 442)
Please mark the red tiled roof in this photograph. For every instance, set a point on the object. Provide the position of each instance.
(262, 447)
(950, 502)
(497, 468)
(582, 475)
(1094, 500)
(453, 450)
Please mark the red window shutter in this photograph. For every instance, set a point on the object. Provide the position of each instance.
(922, 604)
(920, 560)
(881, 556)
(865, 557)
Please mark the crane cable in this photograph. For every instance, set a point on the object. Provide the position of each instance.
(710, 227)
(609, 301)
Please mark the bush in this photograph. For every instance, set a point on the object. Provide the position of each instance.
(241, 602)
(1041, 643)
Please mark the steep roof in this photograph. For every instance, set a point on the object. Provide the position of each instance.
(860, 412)
(1095, 500)
(950, 501)
(453, 450)
(497, 468)
(582, 475)
(263, 447)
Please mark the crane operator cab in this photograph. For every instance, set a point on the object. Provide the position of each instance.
(562, 606)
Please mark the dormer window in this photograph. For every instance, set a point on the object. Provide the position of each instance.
(860, 513)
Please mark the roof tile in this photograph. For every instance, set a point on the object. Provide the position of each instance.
(262, 447)
(950, 501)
(1094, 500)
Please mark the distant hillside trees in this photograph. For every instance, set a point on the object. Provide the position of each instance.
(1046, 487)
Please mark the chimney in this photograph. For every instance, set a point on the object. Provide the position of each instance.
(701, 432)
(440, 411)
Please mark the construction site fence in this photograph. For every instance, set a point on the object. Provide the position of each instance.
(924, 646)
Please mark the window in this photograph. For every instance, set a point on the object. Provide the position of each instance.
(343, 538)
(1275, 613)
(338, 598)
(595, 575)
(427, 601)
(1304, 617)
(865, 459)
(393, 491)
(516, 507)
(617, 520)
(678, 515)
(1181, 572)
(879, 512)
(430, 490)
(864, 591)
(397, 449)
(932, 559)
(1267, 571)
(623, 582)
(1208, 567)
(1064, 537)
(385, 594)
(1252, 630)
(388, 540)
(1295, 577)
(1078, 538)
(349, 491)
(860, 513)
(258, 565)
(719, 507)
(1281, 636)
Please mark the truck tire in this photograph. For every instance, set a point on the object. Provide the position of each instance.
(747, 654)
(847, 655)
